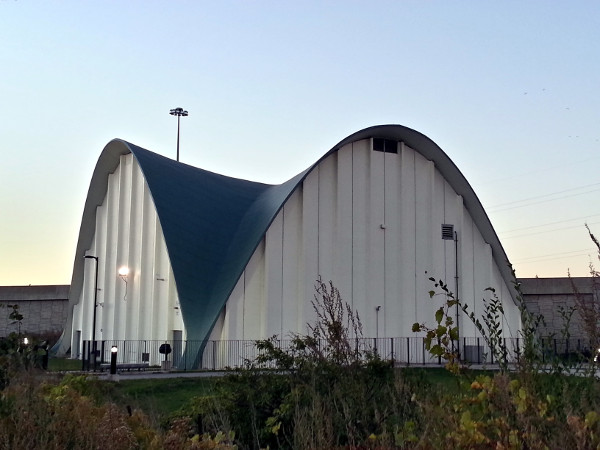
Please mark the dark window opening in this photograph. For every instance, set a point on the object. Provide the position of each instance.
(385, 145)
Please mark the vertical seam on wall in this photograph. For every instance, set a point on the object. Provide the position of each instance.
(416, 231)
(445, 221)
(384, 248)
(282, 250)
(318, 221)
(352, 295)
(473, 264)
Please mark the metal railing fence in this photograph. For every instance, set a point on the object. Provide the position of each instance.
(224, 354)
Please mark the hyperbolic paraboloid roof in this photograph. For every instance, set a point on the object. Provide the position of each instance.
(212, 223)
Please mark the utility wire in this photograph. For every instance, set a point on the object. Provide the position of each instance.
(584, 251)
(585, 218)
(499, 208)
(545, 231)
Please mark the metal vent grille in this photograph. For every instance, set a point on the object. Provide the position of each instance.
(447, 232)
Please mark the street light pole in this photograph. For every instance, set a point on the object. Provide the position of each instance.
(178, 112)
(95, 308)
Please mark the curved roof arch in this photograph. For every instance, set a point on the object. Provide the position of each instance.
(212, 224)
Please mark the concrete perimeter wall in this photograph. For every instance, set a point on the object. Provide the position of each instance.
(44, 308)
(546, 295)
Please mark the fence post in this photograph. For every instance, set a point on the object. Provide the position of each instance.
(408, 351)
(102, 352)
(214, 355)
(185, 356)
(83, 356)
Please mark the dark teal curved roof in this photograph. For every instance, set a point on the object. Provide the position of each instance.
(212, 223)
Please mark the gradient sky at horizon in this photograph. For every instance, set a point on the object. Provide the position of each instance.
(509, 90)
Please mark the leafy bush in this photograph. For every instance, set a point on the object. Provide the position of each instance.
(73, 414)
(324, 392)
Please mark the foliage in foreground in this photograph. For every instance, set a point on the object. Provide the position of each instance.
(332, 395)
(339, 396)
(318, 396)
(73, 415)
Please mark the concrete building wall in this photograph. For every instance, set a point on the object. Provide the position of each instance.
(144, 305)
(371, 223)
(44, 308)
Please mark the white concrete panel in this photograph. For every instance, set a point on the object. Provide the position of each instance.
(453, 209)
(109, 259)
(134, 310)
(511, 321)
(310, 245)
(254, 294)
(175, 321)
(465, 269)
(424, 171)
(482, 273)
(233, 324)
(439, 247)
(148, 302)
(360, 226)
(375, 262)
(327, 210)
(99, 249)
(274, 278)
(292, 245)
(123, 234)
(390, 314)
(409, 302)
(161, 290)
(467, 291)
(342, 268)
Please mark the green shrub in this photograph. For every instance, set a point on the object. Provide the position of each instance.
(324, 392)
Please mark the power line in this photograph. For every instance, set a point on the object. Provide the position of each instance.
(535, 200)
(549, 223)
(569, 254)
(545, 231)
(555, 258)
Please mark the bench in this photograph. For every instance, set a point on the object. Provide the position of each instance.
(126, 366)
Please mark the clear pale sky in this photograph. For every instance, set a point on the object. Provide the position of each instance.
(509, 90)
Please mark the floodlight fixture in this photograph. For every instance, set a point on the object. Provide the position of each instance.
(179, 112)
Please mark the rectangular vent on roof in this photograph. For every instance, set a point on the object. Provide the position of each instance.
(447, 232)
(385, 145)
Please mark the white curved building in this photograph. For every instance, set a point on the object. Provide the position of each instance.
(216, 258)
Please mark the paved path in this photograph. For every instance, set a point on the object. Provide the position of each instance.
(148, 375)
